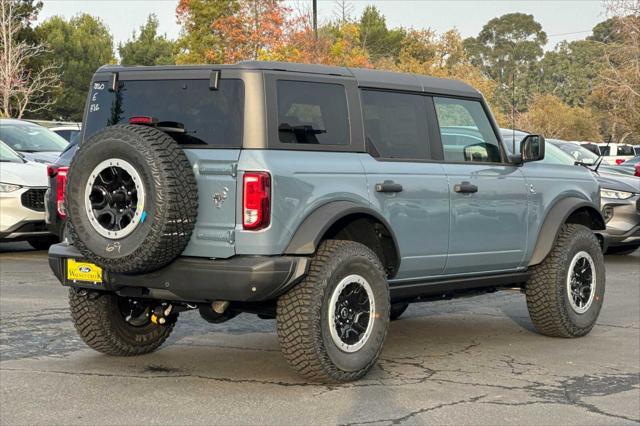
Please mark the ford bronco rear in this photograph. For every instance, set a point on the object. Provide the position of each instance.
(328, 198)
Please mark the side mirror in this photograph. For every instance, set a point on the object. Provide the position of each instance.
(532, 148)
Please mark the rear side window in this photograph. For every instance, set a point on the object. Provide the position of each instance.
(395, 124)
(202, 116)
(312, 113)
(466, 132)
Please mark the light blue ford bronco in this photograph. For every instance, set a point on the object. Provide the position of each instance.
(327, 198)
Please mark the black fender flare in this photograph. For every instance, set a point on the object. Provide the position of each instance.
(557, 216)
(310, 232)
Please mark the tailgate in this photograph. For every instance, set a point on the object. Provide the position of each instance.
(214, 233)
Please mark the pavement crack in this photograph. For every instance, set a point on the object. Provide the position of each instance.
(399, 420)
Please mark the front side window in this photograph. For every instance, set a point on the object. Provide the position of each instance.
(466, 132)
(395, 124)
(312, 113)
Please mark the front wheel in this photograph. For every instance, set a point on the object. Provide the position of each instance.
(116, 325)
(332, 325)
(566, 291)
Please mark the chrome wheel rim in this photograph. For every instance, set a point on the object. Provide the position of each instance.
(581, 282)
(351, 313)
(114, 198)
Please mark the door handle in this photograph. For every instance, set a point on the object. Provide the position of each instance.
(388, 186)
(465, 188)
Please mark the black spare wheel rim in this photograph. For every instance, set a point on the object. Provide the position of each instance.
(114, 198)
(131, 198)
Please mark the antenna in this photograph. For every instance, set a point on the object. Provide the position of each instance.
(602, 156)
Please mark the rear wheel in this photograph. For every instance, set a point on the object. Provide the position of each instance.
(332, 325)
(566, 291)
(116, 325)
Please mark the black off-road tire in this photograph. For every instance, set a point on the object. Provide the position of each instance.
(103, 328)
(622, 250)
(546, 291)
(302, 314)
(171, 199)
(397, 309)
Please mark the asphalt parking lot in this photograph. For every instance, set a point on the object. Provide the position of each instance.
(468, 361)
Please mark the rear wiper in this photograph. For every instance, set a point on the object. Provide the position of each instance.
(304, 129)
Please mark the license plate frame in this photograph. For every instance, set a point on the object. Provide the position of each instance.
(80, 271)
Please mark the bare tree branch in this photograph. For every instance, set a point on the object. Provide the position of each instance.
(22, 89)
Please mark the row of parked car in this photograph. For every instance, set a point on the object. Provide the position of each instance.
(35, 161)
(27, 151)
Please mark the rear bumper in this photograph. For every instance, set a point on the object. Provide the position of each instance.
(240, 278)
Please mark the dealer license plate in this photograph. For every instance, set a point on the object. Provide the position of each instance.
(83, 271)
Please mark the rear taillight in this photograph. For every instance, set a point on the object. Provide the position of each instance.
(619, 161)
(256, 200)
(637, 173)
(141, 119)
(61, 185)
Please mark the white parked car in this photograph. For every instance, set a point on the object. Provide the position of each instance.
(69, 131)
(34, 142)
(22, 188)
(615, 153)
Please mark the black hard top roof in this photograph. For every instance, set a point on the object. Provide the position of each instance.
(364, 77)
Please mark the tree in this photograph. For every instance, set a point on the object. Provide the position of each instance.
(553, 118)
(377, 39)
(22, 88)
(618, 88)
(252, 32)
(147, 47)
(507, 51)
(197, 39)
(26, 12)
(81, 45)
(342, 11)
(425, 52)
(337, 44)
(571, 71)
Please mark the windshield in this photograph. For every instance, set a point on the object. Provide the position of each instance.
(199, 115)
(578, 153)
(7, 155)
(30, 138)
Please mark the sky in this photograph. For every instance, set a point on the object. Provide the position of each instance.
(561, 19)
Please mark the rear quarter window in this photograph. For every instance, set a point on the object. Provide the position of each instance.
(209, 117)
(312, 113)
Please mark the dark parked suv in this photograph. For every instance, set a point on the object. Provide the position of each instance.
(328, 198)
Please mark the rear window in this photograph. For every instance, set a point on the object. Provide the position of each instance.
(312, 113)
(207, 117)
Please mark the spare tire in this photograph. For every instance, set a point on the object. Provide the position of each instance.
(131, 199)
